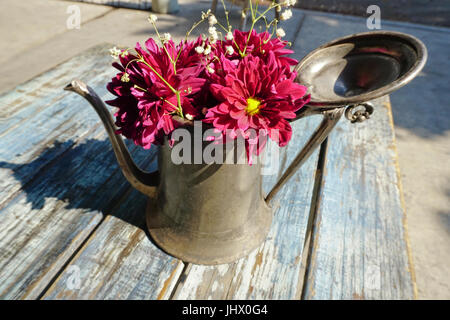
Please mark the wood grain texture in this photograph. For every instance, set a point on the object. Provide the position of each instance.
(39, 121)
(59, 180)
(359, 249)
(273, 271)
(120, 261)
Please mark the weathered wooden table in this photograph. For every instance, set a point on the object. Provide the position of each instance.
(71, 227)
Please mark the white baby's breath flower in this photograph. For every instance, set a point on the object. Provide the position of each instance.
(166, 37)
(280, 33)
(206, 14)
(229, 36)
(287, 14)
(125, 77)
(212, 30)
(152, 18)
(289, 3)
(210, 69)
(212, 20)
(207, 50)
(199, 49)
(115, 52)
(230, 50)
(213, 38)
(189, 116)
(124, 53)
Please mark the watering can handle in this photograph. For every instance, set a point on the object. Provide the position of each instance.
(330, 119)
(145, 182)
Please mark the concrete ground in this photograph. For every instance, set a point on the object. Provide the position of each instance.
(35, 38)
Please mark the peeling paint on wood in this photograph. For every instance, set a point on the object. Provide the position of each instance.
(119, 261)
(59, 180)
(273, 270)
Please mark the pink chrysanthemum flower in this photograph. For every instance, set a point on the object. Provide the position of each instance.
(144, 100)
(257, 95)
(259, 45)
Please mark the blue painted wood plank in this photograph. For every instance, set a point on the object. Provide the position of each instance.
(359, 246)
(120, 261)
(58, 183)
(48, 121)
(46, 222)
(22, 104)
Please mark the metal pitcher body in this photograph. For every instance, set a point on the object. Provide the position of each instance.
(208, 213)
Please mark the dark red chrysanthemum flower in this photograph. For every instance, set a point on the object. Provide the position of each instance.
(259, 45)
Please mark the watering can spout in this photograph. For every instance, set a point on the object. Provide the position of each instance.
(143, 181)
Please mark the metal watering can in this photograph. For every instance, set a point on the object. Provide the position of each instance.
(216, 213)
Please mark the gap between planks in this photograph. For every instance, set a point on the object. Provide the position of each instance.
(310, 229)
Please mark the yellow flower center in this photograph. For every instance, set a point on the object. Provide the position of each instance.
(252, 106)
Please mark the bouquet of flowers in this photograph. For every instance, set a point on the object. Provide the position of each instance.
(237, 82)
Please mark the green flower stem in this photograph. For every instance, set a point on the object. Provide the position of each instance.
(226, 15)
(180, 110)
(195, 25)
(177, 93)
(254, 19)
(163, 80)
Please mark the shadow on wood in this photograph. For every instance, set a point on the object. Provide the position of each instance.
(82, 178)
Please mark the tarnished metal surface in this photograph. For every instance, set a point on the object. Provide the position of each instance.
(361, 67)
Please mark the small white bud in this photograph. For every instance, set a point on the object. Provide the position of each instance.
(212, 20)
(152, 18)
(289, 3)
(212, 30)
(166, 37)
(287, 14)
(229, 36)
(115, 52)
(125, 77)
(206, 14)
(230, 50)
(189, 116)
(207, 50)
(210, 69)
(213, 38)
(243, 14)
(199, 49)
(280, 33)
